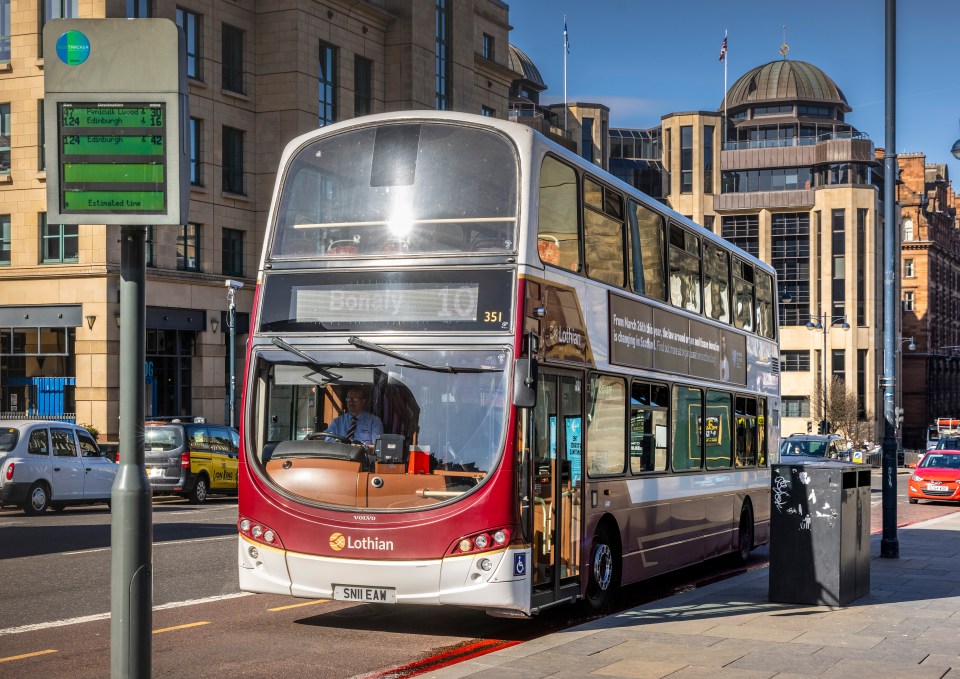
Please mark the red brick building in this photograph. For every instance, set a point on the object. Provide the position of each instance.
(930, 296)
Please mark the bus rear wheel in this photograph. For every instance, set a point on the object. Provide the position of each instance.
(604, 572)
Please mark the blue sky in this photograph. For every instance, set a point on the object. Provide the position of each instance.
(646, 58)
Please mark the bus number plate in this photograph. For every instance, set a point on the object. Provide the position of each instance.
(380, 595)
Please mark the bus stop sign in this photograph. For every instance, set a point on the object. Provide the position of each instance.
(115, 110)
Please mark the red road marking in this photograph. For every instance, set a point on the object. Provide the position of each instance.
(435, 662)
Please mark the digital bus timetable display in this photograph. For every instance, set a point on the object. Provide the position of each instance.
(112, 158)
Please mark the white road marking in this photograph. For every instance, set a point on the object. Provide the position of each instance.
(155, 544)
(105, 616)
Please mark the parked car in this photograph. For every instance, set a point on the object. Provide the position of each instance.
(191, 459)
(810, 447)
(948, 443)
(51, 464)
(936, 477)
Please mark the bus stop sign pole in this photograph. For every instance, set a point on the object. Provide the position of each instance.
(131, 533)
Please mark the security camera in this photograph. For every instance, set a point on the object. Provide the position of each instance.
(230, 283)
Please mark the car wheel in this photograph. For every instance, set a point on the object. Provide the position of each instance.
(38, 499)
(912, 500)
(200, 490)
(744, 535)
(58, 506)
(604, 576)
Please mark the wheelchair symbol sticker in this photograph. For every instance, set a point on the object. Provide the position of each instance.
(520, 564)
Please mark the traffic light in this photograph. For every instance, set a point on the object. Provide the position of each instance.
(898, 416)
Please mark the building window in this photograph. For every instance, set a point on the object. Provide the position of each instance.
(488, 47)
(907, 230)
(686, 159)
(232, 252)
(139, 9)
(839, 363)
(188, 248)
(861, 384)
(42, 136)
(488, 112)
(148, 246)
(56, 9)
(861, 267)
(232, 58)
(362, 86)
(4, 31)
(190, 23)
(442, 64)
(794, 361)
(60, 242)
(328, 85)
(839, 274)
(790, 251)
(196, 146)
(4, 138)
(232, 160)
(586, 139)
(908, 300)
(743, 231)
(708, 158)
(4, 240)
(908, 268)
(796, 406)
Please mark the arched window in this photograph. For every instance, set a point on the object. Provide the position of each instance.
(907, 230)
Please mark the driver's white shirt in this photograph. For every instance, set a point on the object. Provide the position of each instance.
(369, 426)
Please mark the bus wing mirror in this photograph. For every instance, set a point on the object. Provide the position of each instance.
(525, 383)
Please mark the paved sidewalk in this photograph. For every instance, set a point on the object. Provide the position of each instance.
(907, 626)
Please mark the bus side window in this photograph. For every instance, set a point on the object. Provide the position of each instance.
(646, 251)
(716, 282)
(606, 434)
(742, 295)
(603, 233)
(558, 235)
(684, 269)
(765, 316)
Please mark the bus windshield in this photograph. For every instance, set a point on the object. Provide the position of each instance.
(397, 190)
(428, 429)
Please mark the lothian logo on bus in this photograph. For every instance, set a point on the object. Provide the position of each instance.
(340, 541)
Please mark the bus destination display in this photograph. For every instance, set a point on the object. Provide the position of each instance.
(466, 300)
(112, 158)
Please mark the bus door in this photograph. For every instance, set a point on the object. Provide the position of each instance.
(557, 478)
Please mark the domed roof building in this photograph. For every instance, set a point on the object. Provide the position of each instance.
(785, 80)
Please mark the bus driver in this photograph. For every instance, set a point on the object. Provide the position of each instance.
(357, 424)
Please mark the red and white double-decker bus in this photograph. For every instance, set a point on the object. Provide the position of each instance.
(568, 386)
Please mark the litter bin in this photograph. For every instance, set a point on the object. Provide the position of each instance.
(819, 533)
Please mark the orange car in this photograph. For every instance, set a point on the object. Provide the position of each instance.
(936, 477)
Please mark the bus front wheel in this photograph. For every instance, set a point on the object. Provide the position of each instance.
(604, 571)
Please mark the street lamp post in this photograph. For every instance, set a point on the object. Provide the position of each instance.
(822, 324)
(232, 287)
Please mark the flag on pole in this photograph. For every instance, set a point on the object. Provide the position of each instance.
(566, 40)
(723, 47)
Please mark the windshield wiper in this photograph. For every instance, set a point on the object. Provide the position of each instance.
(414, 363)
(316, 367)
